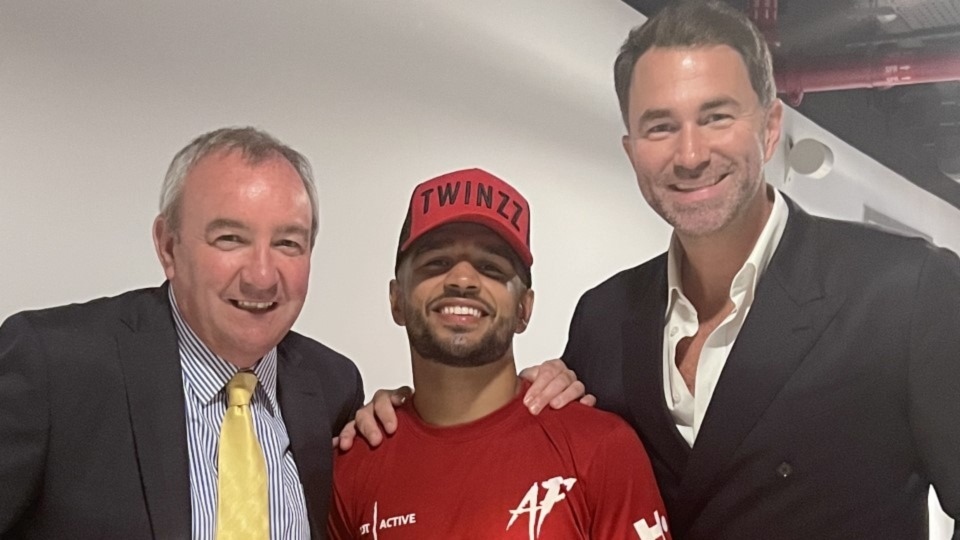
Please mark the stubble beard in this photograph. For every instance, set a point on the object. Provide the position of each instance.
(458, 351)
(708, 217)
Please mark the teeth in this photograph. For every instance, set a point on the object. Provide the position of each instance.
(695, 187)
(258, 306)
(460, 310)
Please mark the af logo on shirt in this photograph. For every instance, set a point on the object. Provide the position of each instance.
(538, 509)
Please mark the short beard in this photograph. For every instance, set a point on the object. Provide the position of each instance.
(705, 219)
(454, 352)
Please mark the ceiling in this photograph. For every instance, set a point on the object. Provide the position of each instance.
(884, 75)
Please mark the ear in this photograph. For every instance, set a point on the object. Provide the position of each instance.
(163, 241)
(627, 147)
(396, 303)
(524, 311)
(771, 131)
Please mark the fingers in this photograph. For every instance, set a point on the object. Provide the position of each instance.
(552, 383)
(374, 415)
(530, 373)
(589, 400)
(568, 393)
(400, 396)
(540, 376)
(384, 403)
(366, 425)
(345, 440)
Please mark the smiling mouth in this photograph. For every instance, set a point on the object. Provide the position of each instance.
(253, 307)
(698, 185)
(461, 310)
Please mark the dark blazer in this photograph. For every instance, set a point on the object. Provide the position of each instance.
(838, 405)
(93, 440)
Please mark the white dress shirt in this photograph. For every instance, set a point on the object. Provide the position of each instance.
(205, 377)
(681, 322)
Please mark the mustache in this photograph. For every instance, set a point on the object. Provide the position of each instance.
(714, 167)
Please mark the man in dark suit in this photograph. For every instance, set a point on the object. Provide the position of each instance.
(111, 411)
(792, 377)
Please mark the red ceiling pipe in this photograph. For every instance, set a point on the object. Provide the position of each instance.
(892, 70)
(845, 73)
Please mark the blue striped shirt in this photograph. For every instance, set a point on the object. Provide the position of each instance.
(205, 377)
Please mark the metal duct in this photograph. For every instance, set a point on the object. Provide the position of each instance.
(895, 69)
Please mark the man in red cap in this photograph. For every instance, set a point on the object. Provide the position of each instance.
(469, 461)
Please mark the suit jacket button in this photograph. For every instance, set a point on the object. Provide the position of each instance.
(784, 469)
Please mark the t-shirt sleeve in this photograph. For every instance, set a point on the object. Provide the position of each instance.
(626, 502)
(340, 524)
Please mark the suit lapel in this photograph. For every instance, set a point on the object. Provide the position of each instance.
(642, 335)
(148, 352)
(788, 316)
(306, 418)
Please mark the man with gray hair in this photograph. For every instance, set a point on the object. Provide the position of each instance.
(189, 410)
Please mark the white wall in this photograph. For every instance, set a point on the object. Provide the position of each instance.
(857, 180)
(97, 96)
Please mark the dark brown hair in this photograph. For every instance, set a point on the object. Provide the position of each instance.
(697, 23)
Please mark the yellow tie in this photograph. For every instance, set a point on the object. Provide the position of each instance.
(242, 506)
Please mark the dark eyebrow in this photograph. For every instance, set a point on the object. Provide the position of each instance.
(653, 114)
(428, 244)
(719, 102)
(224, 223)
(657, 114)
(501, 250)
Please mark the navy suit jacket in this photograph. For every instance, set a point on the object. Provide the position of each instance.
(839, 403)
(93, 440)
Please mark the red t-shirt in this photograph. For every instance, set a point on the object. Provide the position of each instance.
(576, 472)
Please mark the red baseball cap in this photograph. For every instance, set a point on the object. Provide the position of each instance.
(473, 196)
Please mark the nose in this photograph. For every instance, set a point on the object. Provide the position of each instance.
(260, 276)
(693, 152)
(462, 279)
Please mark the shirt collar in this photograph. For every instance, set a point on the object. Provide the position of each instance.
(206, 374)
(756, 264)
